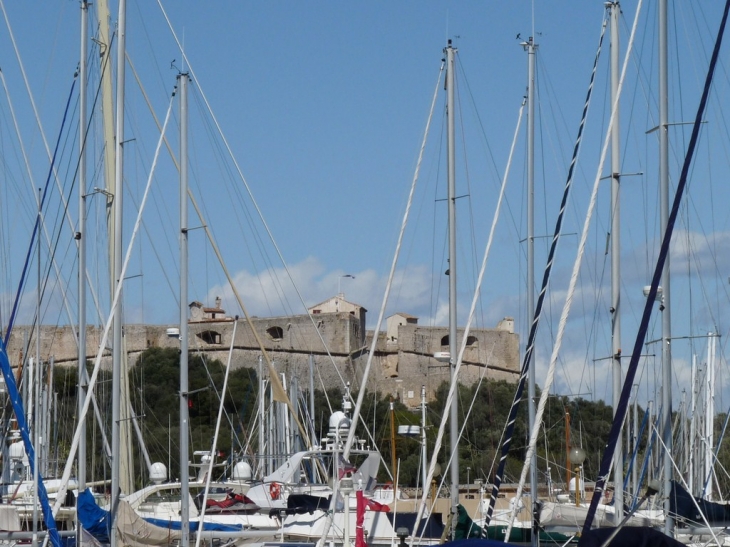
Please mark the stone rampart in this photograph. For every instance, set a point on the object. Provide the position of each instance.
(333, 341)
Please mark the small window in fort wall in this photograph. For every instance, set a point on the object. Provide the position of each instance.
(471, 340)
(445, 340)
(276, 333)
(210, 337)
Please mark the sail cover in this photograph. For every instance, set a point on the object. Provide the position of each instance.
(690, 509)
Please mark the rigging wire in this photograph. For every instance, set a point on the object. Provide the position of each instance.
(36, 225)
(64, 201)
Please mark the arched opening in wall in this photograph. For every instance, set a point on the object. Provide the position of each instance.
(445, 340)
(210, 336)
(471, 340)
(276, 333)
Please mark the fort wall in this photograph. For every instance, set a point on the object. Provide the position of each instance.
(335, 342)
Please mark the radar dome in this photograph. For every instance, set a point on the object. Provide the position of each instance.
(242, 472)
(16, 451)
(158, 473)
(340, 419)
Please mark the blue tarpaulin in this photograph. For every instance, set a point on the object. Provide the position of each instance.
(97, 521)
(93, 518)
(208, 526)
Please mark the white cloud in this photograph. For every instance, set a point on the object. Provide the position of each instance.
(280, 291)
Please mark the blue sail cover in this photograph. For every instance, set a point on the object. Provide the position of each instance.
(14, 395)
(628, 536)
(93, 518)
(207, 526)
(692, 510)
(97, 521)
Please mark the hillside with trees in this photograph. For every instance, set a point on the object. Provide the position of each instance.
(483, 412)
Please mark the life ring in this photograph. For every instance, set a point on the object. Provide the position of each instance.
(275, 490)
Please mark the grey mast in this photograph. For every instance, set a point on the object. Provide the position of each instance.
(453, 346)
(184, 412)
(665, 304)
(81, 236)
(531, 48)
(618, 468)
(117, 260)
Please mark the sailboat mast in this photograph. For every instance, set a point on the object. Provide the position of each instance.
(103, 37)
(424, 451)
(311, 401)
(36, 382)
(393, 454)
(665, 307)
(184, 412)
(81, 236)
(118, 198)
(618, 468)
(635, 442)
(531, 48)
(691, 469)
(453, 346)
(709, 417)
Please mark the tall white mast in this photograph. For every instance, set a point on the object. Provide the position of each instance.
(618, 468)
(424, 449)
(453, 346)
(81, 236)
(709, 417)
(531, 49)
(184, 413)
(118, 198)
(103, 37)
(36, 382)
(666, 423)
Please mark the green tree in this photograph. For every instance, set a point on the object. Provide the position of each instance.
(483, 412)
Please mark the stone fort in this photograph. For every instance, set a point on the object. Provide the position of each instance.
(406, 357)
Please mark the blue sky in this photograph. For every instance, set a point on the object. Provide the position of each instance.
(323, 105)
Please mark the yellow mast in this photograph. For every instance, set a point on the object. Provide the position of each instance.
(126, 481)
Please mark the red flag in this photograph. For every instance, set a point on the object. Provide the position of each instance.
(373, 505)
(359, 534)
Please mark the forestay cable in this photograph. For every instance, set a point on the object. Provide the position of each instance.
(36, 226)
